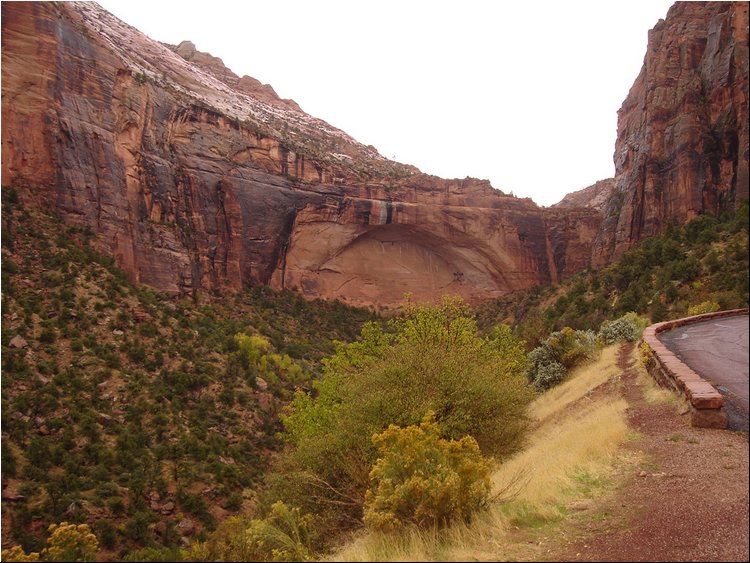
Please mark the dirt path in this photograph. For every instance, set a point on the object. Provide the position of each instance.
(688, 501)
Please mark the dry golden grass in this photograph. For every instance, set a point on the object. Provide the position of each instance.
(654, 393)
(570, 456)
(582, 381)
(566, 455)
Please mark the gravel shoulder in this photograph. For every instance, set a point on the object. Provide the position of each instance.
(685, 499)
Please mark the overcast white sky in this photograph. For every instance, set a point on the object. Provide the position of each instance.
(524, 94)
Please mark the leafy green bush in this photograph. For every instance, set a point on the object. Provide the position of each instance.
(572, 347)
(629, 328)
(423, 479)
(9, 459)
(47, 335)
(561, 351)
(547, 374)
(431, 360)
(137, 526)
(106, 531)
(284, 535)
(702, 308)
(67, 542)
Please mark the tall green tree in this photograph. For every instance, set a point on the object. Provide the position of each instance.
(431, 359)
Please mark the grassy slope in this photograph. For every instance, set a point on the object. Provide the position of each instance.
(572, 456)
(130, 410)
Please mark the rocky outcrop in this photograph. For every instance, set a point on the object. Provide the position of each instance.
(194, 178)
(247, 84)
(682, 141)
(594, 196)
(431, 237)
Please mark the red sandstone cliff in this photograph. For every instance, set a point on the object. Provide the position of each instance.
(594, 196)
(682, 140)
(195, 178)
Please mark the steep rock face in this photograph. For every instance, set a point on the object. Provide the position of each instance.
(192, 180)
(432, 237)
(682, 141)
(595, 196)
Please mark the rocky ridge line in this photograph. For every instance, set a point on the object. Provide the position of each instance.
(192, 185)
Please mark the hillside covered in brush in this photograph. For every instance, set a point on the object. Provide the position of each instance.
(690, 269)
(150, 418)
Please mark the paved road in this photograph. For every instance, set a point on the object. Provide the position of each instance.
(716, 349)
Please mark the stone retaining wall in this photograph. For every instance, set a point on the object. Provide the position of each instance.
(706, 403)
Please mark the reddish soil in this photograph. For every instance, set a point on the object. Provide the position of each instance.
(686, 501)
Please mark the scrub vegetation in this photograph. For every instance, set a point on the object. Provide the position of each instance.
(259, 426)
(699, 267)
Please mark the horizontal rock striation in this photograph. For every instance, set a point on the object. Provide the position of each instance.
(431, 237)
(194, 178)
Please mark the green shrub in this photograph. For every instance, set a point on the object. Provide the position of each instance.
(116, 505)
(561, 351)
(548, 374)
(629, 328)
(11, 196)
(47, 335)
(226, 543)
(284, 535)
(702, 308)
(572, 347)
(137, 527)
(234, 502)
(423, 479)
(67, 542)
(9, 459)
(432, 360)
(106, 531)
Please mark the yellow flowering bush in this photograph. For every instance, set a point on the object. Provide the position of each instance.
(67, 542)
(423, 479)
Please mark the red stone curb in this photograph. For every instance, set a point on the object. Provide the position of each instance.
(706, 403)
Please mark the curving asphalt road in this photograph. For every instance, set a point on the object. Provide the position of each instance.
(716, 349)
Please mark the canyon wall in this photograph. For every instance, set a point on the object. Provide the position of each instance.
(682, 138)
(194, 178)
(595, 196)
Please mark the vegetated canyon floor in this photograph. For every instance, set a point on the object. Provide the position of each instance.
(685, 500)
